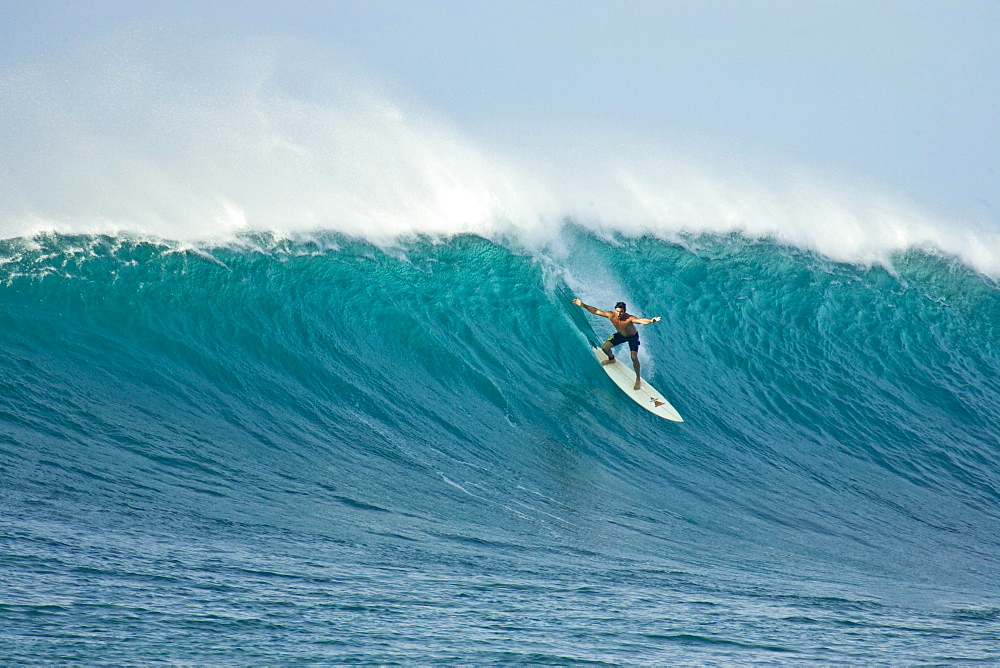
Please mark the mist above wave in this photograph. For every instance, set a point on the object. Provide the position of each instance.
(208, 141)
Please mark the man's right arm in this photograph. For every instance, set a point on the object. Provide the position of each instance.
(593, 310)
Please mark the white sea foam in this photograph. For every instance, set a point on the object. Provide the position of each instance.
(125, 139)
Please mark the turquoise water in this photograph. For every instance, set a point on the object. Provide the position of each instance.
(322, 450)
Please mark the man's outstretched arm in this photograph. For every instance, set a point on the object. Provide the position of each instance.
(595, 311)
(645, 321)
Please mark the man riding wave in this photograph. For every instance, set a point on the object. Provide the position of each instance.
(626, 332)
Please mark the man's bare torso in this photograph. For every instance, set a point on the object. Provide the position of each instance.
(624, 324)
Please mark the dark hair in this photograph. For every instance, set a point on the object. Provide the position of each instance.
(620, 305)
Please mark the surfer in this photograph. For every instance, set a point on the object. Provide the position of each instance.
(626, 332)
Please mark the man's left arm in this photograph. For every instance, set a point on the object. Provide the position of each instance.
(645, 321)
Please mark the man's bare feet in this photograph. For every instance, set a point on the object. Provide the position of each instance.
(609, 361)
(637, 384)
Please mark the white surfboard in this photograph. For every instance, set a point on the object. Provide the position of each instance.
(623, 374)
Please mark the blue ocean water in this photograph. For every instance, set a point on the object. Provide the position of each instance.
(321, 450)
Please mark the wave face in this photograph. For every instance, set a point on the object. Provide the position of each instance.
(322, 450)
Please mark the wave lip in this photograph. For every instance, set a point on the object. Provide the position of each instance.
(135, 138)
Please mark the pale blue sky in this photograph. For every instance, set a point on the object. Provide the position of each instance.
(902, 95)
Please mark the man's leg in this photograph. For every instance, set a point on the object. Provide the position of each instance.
(635, 365)
(607, 351)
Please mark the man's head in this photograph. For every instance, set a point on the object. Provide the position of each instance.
(620, 305)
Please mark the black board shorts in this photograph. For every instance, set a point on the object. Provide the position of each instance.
(617, 339)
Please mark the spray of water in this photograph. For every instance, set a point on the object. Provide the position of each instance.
(207, 143)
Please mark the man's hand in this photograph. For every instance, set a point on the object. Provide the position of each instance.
(578, 302)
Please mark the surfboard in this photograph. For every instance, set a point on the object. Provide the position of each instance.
(647, 396)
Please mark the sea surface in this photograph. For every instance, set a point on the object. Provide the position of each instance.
(313, 449)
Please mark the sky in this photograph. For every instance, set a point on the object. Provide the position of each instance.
(898, 97)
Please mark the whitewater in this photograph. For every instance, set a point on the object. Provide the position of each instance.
(293, 376)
